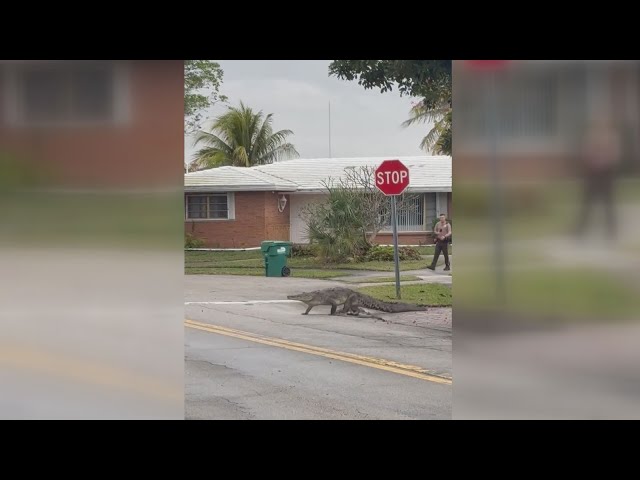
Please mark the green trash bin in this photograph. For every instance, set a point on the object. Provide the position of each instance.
(275, 254)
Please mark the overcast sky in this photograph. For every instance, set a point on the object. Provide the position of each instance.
(298, 92)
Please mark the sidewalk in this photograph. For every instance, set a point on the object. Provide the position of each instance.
(360, 277)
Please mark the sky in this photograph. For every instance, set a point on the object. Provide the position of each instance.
(298, 92)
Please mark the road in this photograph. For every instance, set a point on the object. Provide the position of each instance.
(247, 360)
(89, 333)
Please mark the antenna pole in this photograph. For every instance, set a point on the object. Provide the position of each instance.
(330, 129)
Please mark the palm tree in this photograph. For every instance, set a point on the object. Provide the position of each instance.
(438, 140)
(242, 138)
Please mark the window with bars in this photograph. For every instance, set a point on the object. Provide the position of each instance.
(527, 107)
(416, 213)
(209, 207)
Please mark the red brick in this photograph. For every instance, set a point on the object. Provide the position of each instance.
(257, 219)
(146, 151)
(409, 238)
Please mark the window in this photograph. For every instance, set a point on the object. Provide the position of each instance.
(411, 215)
(65, 93)
(412, 212)
(210, 207)
(526, 107)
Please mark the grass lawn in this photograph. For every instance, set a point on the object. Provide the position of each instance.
(403, 278)
(150, 220)
(378, 266)
(253, 260)
(422, 294)
(430, 250)
(576, 294)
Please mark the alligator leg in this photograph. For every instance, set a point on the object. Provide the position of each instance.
(308, 310)
(350, 305)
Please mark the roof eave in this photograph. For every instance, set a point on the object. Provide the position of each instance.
(237, 188)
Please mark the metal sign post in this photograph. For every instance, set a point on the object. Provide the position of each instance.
(396, 256)
(492, 67)
(392, 178)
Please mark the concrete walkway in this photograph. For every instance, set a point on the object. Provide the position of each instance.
(360, 277)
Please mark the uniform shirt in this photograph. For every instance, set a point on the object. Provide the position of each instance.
(442, 230)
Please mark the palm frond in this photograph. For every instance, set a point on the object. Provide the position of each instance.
(440, 116)
(240, 157)
(243, 137)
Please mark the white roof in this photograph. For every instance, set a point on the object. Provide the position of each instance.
(235, 179)
(426, 174)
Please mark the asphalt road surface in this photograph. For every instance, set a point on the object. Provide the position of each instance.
(250, 354)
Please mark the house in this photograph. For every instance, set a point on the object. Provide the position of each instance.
(235, 207)
(94, 123)
(540, 110)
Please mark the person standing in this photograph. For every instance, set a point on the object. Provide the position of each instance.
(601, 159)
(442, 232)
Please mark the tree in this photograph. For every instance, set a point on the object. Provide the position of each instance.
(347, 223)
(438, 140)
(242, 138)
(429, 79)
(202, 81)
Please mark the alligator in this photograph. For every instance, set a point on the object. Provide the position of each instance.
(351, 301)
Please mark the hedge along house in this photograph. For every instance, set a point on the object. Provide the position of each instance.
(238, 207)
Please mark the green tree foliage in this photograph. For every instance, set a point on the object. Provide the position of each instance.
(202, 81)
(345, 226)
(428, 79)
(242, 138)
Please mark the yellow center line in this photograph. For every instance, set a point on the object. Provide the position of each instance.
(379, 363)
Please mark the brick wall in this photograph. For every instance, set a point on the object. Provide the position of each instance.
(145, 151)
(257, 219)
(276, 222)
(405, 238)
(247, 230)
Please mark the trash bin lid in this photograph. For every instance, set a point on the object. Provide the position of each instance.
(264, 246)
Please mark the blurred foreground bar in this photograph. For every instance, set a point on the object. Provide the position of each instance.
(91, 239)
(547, 255)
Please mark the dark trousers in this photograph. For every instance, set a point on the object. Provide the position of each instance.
(598, 187)
(444, 248)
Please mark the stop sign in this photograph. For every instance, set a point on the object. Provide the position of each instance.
(392, 177)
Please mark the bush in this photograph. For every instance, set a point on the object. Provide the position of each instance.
(517, 200)
(302, 250)
(191, 241)
(409, 253)
(335, 229)
(381, 253)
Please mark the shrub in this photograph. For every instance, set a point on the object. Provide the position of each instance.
(302, 250)
(409, 253)
(345, 225)
(381, 253)
(191, 241)
(335, 227)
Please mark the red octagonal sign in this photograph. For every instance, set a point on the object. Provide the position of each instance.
(392, 177)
